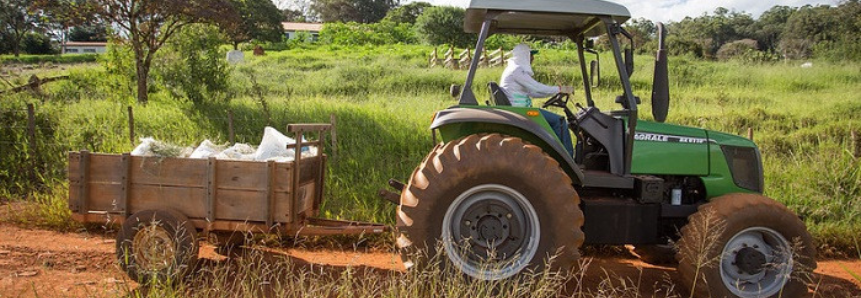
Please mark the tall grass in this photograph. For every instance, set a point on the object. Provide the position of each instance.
(384, 97)
(258, 273)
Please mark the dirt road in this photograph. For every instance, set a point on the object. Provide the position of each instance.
(41, 263)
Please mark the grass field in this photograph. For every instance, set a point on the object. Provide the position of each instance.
(384, 97)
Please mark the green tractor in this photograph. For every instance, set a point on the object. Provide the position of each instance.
(499, 194)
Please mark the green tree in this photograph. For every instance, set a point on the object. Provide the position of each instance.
(353, 33)
(16, 20)
(293, 15)
(360, 11)
(769, 26)
(193, 65)
(58, 16)
(148, 24)
(711, 31)
(642, 31)
(91, 32)
(443, 25)
(258, 19)
(407, 13)
(5, 43)
(37, 44)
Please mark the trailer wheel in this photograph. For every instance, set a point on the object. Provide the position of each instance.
(157, 246)
(495, 205)
(745, 245)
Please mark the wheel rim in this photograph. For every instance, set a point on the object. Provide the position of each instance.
(756, 262)
(153, 249)
(491, 232)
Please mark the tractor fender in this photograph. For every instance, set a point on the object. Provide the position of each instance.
(507, 118)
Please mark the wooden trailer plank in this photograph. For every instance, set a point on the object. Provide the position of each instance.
(169, 171)
(102, 196)
(105, 168)
(84, 190)
(121, 206)
(242, 175)
(305, 198)
(73, 172)
(188, 200)
(247, 205)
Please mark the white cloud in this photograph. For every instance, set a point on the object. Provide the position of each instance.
(675, 10)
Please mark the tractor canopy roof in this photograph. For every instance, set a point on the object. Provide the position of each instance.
(544, 17)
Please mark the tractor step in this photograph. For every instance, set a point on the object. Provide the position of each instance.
(397, 185)
(390, 196)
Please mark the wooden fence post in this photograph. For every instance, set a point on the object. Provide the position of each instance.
(230, 131)
(856, 142)
(31, 138)
(750, 133)
(131, 126)
(334, 134)
(434, 58)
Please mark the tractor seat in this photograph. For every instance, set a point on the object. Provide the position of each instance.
(497, 95)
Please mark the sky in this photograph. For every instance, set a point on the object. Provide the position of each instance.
(675, 10)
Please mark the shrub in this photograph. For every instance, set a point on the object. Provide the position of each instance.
(443, 25)
(407, 13)
(34, 59)
(193, 65)
(34, 43)
(754, 56)
(736, 48)
(353, 33)
(119, 64)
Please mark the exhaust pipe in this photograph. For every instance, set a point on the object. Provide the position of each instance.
(661, 83)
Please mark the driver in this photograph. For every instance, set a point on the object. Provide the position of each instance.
(518, 84)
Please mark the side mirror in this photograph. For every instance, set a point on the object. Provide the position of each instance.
(595, 73)
(661, 80)
(454, 90)
(629, 61)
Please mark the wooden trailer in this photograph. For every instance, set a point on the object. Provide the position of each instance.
(167, 205)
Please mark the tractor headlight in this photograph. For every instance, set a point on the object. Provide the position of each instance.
(745, 165)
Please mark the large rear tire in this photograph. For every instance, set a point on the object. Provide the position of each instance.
(745, 245)
(499, 207)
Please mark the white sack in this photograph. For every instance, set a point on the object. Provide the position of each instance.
(274, 144)
(205, 150)
(145, 147)
(238, 151)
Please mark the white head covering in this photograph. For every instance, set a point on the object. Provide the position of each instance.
(517, 81)
(521, 56)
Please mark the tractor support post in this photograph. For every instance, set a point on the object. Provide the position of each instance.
(467, 97)
(587, 88)
(614, 28)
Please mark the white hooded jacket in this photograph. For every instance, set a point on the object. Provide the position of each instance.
(517, 81)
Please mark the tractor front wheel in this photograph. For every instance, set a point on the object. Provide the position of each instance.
(745, 245)
(495, 205)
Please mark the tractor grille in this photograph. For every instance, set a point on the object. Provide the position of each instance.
(745, 165)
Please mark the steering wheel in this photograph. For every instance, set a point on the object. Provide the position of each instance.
(559, 100)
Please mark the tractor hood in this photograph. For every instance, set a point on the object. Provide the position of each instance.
(725, 162)
(668, 149)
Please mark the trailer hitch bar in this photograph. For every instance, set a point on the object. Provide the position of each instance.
(392, 197)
